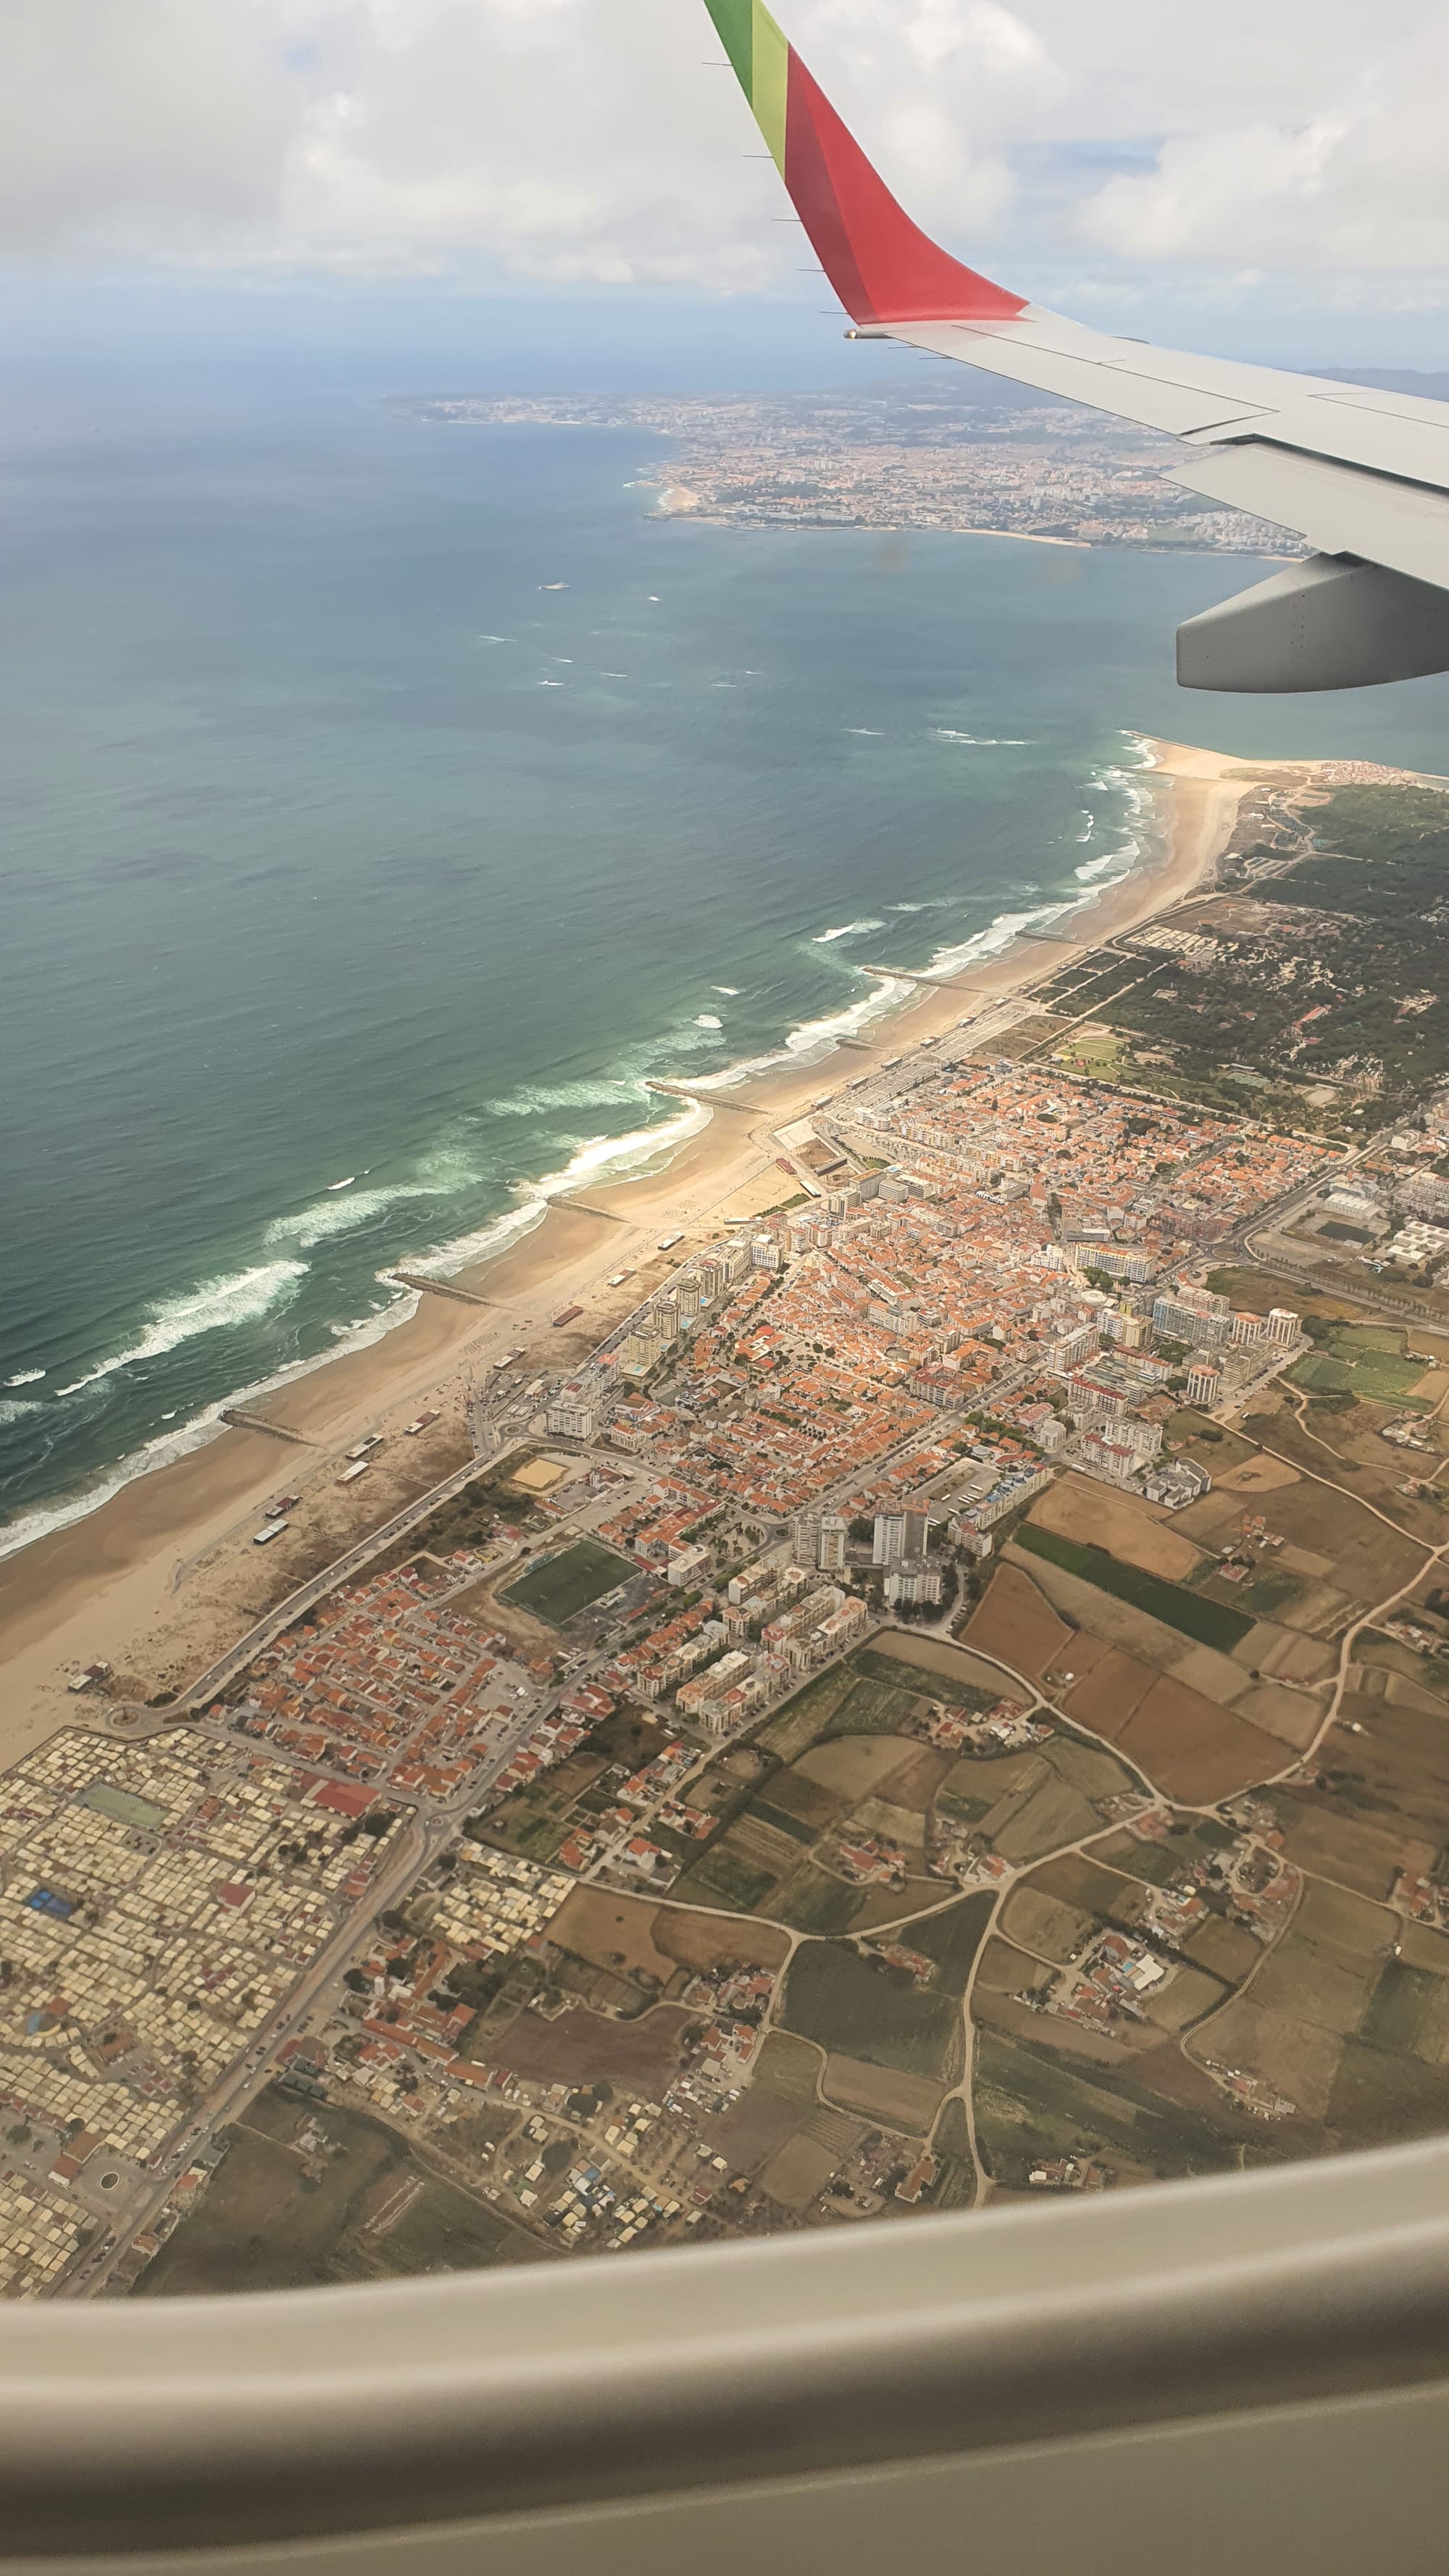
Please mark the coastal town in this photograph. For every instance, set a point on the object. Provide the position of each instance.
(921, 1690)
(935, 458)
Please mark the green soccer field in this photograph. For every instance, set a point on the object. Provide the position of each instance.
(568, 1583)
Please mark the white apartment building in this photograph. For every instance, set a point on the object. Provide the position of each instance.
(570, 1418)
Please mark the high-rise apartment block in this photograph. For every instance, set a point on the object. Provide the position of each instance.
(1073, 1347)
(900, 1534)
(1191, 1315)
(830, 1540)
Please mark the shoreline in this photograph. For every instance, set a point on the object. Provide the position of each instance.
(641, 1152)
(154, 1579)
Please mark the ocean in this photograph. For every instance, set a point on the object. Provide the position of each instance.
(384, 803)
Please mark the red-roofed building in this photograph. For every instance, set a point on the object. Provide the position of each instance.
(342, 1800)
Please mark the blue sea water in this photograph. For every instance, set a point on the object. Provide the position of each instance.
(381, 804)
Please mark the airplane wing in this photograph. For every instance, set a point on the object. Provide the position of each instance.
(1362, 475)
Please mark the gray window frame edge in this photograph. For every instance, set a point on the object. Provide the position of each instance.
(156, 2425)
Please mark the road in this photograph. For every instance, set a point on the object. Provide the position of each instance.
(217, 1675)
(418, 1847)
(435, 1822)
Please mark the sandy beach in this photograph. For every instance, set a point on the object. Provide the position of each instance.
(161, 1578)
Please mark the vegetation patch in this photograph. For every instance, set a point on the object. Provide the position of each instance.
(815, 1902)
(794, 1727)
(1212, 1623)
(444, 2231)
(1030, 2105)
(723, 1878)
(1352, 1366)
(856, 2007)
(952, 1938)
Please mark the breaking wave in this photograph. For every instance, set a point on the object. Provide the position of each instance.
(220, 1303)
(330, 1216)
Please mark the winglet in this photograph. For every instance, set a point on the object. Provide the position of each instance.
(882, 266)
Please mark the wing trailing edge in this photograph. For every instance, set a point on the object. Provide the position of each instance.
(1361, 474)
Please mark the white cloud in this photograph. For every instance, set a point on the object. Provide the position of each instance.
(1216, 195)
(586, 139)
(163, 122)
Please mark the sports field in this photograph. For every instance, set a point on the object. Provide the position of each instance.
(568, 1583)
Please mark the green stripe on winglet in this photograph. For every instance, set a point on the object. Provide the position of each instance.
(735, 26)
(771, 57)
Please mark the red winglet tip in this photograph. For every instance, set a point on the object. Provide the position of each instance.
(882, 266)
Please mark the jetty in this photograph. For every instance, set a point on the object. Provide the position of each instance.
(442, 1288)
(933, 983)
(706, 1099)
(235, 1420)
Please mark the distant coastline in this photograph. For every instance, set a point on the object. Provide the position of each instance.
(885, 460)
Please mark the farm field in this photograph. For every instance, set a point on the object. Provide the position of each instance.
(781, 2100)
(567, 1583)
(864, 1770)
(858, 2008)
(1355, 2036)
(1346, 1447)
(442, 2230)
(1388, 1655)
(1016, 1623)
(658, 1944)
(1100, 1625)
(1042, 1926)
(262, 2225)
(1030, 2103)
(883, 2092)
(1379, 1801)
(1211, 1622)
(952, 1938)
(581, 2047)
(1141, 1534)
(1195, 1749)
(1188, 1742)
(1370, 1361)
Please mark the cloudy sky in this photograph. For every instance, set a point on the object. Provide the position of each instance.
(1263, 161)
